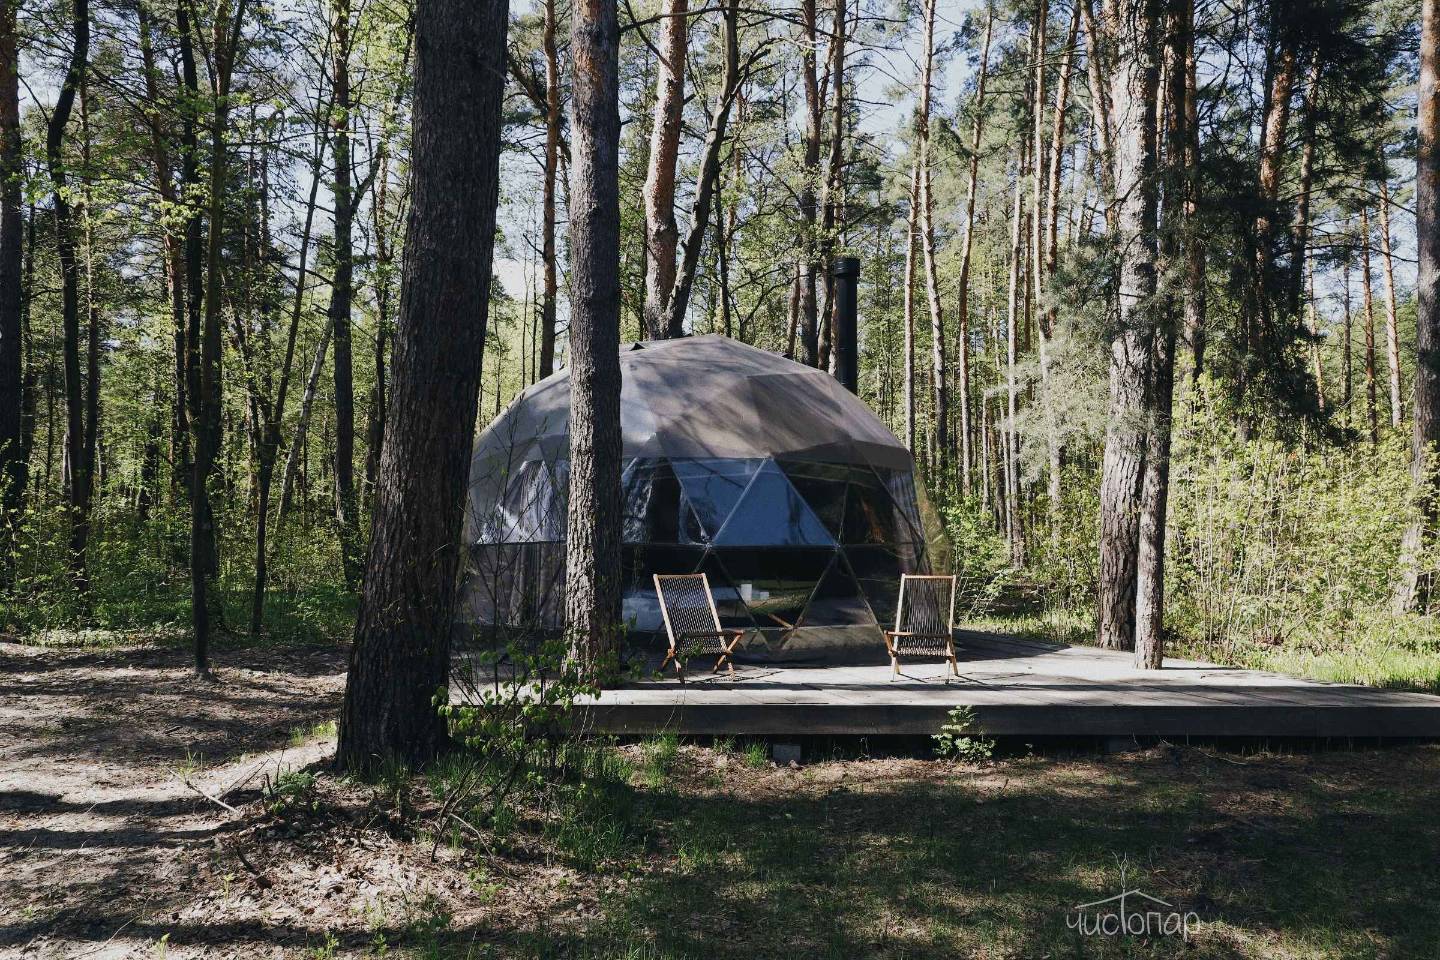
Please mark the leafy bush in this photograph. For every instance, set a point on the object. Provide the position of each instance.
(1281, 544)
(957, 739)
(522, 757)
(140, 581)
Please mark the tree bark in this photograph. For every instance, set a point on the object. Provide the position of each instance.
(834, 178)
(79, 483)
(342, 295)
(962, 306)
(206, 427)
(662, 236)
(174, 254)
(592, 562)
(1347, 365)
(1155, 491)
(1133, 33)
(909, 306)
(302, 422)
(1312, 326)
(1195, 299)
(13, 467)
(192, 186)
(939, 385)
(809, 208)
(709, 177)
(1012, 390)
(1425, 400)
(401, 655)
(1367, 306)
(552, 166)
(1300, 223)
(1392, 322)
(1101, 120)
(1258, 336)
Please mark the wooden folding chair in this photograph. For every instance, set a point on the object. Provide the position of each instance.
(924, 621)
(692, 622)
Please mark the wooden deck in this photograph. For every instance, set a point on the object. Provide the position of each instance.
(1015, 688)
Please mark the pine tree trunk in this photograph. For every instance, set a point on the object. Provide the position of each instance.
(1425, 400)
(1312, 326)
(662, 236)
(13, 466)
(1195, 299)
(939, 387)
(1300, 224)
(809, 208)
(834, 179)
(174, 254)
(592, 562)
(962, 308)
(552, 166)
(1133, 33)
(1101, 120)
(1155, 491)
(1012, 390)
(909, 305)
(78, 483)
(1052, 251)
(401, 655)
(1036, 276)
(341, 297)
(1392, 321)
(1259, 335)
(709, 177)
(192, 184)
(207, 426)
(1367, 307)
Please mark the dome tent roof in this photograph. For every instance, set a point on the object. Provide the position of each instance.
(702, 397)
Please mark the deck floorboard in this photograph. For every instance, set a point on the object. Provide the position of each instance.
(1018, 688)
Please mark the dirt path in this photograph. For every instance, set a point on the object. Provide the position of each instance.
(101, 840)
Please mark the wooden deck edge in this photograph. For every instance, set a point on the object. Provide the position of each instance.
(1017, 720)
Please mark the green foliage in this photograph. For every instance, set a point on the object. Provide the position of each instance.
(981, 556)
(1281, 554)
(293, 791)
(1064, 553)
(958, 740)
(140, 581)
(522, 761)
(1270, 538)
(660, 755)
(1282, 551)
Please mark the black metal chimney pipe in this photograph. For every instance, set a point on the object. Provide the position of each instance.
(846, 272)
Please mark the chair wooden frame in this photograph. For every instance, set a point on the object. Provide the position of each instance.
(892, 637)
(718, 635)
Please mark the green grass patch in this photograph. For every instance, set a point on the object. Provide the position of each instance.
(1325, 856)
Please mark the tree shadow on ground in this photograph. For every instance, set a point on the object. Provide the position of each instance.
(1325, 867)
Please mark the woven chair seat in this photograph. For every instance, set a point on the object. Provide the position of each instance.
(936, 645)
(702, 641)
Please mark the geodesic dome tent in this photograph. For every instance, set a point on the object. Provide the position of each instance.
(765, 474)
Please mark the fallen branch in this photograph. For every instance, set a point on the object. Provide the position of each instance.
(215, 800)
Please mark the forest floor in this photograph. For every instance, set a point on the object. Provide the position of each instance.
(108, 849)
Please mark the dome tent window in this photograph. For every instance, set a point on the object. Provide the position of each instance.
(766, 475)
